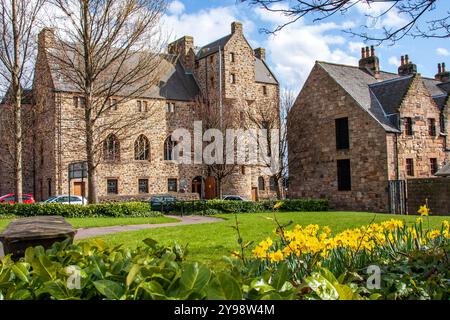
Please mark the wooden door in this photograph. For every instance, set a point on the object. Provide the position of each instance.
(79, 189)
(210, 188)
(254, 194)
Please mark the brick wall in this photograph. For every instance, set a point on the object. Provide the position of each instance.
(436, 190)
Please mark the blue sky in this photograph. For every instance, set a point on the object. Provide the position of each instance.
(292, 52)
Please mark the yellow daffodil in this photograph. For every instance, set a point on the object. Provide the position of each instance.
(423, 210)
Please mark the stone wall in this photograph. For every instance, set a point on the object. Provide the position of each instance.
(313, 154)
(434, 191)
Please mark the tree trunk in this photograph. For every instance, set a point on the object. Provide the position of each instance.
(278, 188)
(219, 188)
(92, 185)
(17, 96)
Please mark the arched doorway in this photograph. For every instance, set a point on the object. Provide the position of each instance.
(198, 186)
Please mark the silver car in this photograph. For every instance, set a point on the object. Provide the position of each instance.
(65, 199)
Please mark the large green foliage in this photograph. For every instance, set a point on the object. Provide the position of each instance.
(225, 206)
(127, 209)
(149, 272)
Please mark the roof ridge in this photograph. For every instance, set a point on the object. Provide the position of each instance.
(350, 66)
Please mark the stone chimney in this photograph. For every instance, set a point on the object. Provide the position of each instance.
(46, 38)
(184, 49)
(369, 61)
(236, 27)
(260, 53)
(443, 75)
(407, 67)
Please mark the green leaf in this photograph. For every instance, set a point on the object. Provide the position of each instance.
(150, 243)
(327, 274)
(21, 294)
(322, 287)
(224, 287)
(154, 289)
(110, 289)
(29, 255)
(194, 277)
(44, 267)
(345, 292)
(20, 269)
(272, 296)
(280, 277)
(134, 271)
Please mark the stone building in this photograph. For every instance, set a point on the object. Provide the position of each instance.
(142, 164)
(356, 128)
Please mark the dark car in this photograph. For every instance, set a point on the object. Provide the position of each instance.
(163, 203)
(233, 198)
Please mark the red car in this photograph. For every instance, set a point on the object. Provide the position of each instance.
(9, 199)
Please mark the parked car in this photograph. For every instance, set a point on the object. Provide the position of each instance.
(10, 199)
(233, 198)
(163, 203)
(65, 199)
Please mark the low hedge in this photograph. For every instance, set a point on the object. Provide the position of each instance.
(225, 206)
(128, 209)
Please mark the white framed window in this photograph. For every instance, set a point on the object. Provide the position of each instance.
(170, 107)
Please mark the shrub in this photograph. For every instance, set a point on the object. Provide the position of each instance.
(130, 209)
(152, 272)
(224, 206)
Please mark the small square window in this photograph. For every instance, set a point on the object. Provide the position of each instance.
(408, 126)
(139, 105)
(82, 102)
(211, 59)
(145, 106)
(264, 89)
(143, 185)
(170, 107)
(344, 176)
(112, 186)
(172, 185)
(232, 57)
(75, 102)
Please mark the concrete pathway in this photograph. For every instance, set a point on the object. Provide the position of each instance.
(185, 220)
(95, 232)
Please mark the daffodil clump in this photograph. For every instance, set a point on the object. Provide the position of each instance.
(313, 240)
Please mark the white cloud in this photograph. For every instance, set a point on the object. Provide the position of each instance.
(394, 61)
(443, 52)
(294, 50)
(176, 7)
(205, 25)
(355, 47)
(381, 14)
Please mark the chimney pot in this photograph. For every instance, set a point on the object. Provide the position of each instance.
(402, 60)
(443, 67)
(372, 51)
(406, 59)
(367, 52)
(439, 68)
(363, 53)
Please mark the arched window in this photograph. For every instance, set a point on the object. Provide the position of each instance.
(111, 148)
(272, 184)
(142, 148)
(169, 149)
(261, 184)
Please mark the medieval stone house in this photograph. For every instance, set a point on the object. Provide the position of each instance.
(142, 164)
(356, 128)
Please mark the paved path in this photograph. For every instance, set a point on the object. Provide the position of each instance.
(95, 232)
(186, 220)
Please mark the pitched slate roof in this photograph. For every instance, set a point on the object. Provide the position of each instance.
(213, 47)
(444, 171)
(380, 97)
(175, 83)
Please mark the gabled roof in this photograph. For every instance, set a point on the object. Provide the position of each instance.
(174, 83)
(380, 97)
(213, 47)
(263, 73)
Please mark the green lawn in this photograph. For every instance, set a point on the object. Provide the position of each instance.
(105, 222)
(208, 243)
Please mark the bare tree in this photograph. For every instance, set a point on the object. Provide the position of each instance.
(423, 18)
(108, 52)
(272, 115)
(17, 49)
(212, 116)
